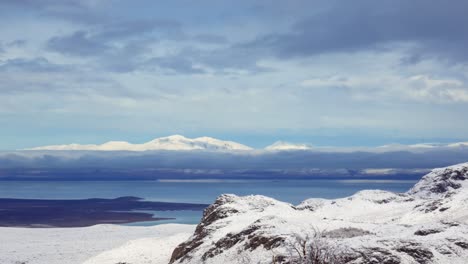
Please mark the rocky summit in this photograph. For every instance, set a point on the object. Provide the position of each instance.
(427, 224)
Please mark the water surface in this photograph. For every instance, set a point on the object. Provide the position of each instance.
(194, 191)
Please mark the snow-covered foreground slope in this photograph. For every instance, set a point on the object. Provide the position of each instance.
(155, 250)
(175, 142)
(77, 245)
(428, 224)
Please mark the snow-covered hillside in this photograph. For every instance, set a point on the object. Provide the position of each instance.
(281, 145)
(100, 244)
(428, 224)
(175, 142)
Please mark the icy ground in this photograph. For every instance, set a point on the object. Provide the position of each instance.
(77, 245)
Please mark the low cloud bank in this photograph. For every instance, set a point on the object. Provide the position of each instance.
(187, 164)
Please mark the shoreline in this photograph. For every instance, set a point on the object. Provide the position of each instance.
(39, 213)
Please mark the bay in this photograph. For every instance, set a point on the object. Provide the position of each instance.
(194, 191)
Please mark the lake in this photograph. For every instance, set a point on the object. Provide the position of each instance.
(194, 191)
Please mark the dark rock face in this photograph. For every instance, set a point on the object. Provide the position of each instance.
(443, 182)
(210, 215)
(444, 250)
(430, 206)
(265, 241)
(374, 255)
(417, 252)
(449, 179)
(181, 251)
(249, 237)
(228, 241)
(444, 186)
(462, 244)
(347, 232)
(425, 232)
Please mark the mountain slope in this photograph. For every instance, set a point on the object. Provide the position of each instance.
(175, 142)
(427, 224)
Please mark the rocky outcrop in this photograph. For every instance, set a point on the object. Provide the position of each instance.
(428, 224)
(441, 182)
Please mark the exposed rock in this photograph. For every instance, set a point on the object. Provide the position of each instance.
(374, 255)
(441, 181)
(346, 232)
(229, 241)
(462, 244)
(210, 215)
(427, 224)
(425, 232)
(417, 252)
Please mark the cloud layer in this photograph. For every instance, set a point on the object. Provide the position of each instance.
(297, 70)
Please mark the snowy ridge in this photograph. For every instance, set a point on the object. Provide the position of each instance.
(181, 143)
(428, 224)
(175, 142)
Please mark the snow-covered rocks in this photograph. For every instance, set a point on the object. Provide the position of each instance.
(442, 182)
(428, 224)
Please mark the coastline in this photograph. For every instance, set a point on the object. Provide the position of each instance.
(39, 213)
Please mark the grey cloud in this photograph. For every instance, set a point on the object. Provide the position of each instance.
(210, 38)
(127, 58)
(138, 29)
(17, 43)
(219, 61)
(11, 44)
(43, 3)
(176, 64)
(228, 58)
(39, 64)
(258, 164)
(25, 75)
(436, 26)
(72, 10)
(79, 43)
(114, 37)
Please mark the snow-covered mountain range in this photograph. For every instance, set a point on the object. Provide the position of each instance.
(427, 224)
(175, 142)
(178, 142)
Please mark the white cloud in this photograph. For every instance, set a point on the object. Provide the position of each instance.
(422, 88)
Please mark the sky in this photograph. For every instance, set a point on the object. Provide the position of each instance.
(326, 73)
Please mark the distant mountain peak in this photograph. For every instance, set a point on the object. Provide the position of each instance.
(174, 142)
